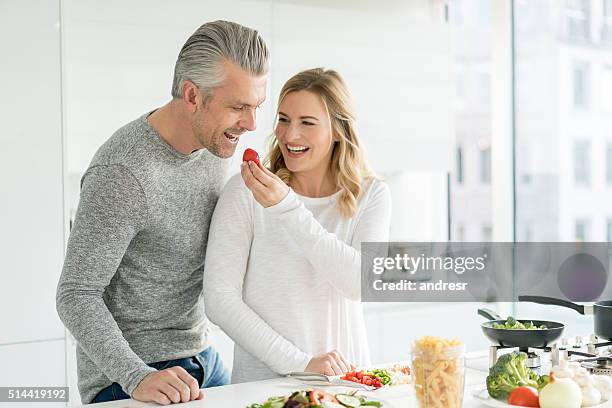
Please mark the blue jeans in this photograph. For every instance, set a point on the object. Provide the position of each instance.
(206, 367)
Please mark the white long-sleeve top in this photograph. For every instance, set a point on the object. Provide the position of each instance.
(284, 282)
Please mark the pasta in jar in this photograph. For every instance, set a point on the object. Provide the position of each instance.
(438, 370)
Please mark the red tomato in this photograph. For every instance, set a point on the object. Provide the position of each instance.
(250, 155)
(524, 397)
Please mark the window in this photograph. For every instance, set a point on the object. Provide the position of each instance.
(582, 162)
(484, 89)
(471, 201)
(577, 17)
(606, 24)
(484, 13)
(606, 83)
(563, 155)
(460, 232)
(609, 163)
(580, 84)
(582, 230)
(527, 233)
(524, 165)
(460, 87)
(459, 169)
(487, 233)
(456, 14)
(485, 165)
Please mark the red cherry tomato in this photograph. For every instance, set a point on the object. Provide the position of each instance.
(250, 155)
(524, 397)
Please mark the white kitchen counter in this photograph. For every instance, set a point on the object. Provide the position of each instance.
(242, 395)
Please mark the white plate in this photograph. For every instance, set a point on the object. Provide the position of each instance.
(342, 390)
(483, 396)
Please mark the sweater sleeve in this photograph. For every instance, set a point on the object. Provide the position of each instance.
(334, 260)
(112, 209)
(227, 255)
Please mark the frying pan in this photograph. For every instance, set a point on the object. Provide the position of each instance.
(601, 310)
(520, 337)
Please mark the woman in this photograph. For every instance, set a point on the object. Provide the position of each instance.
(283, 272)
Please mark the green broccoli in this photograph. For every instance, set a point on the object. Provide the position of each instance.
(512, 324)
(508, 373)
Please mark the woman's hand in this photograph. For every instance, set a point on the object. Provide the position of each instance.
(332, 363)
(266, 187)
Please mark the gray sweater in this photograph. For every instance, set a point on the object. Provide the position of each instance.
(131, 287)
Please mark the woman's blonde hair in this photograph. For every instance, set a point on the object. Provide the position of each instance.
(348, 164)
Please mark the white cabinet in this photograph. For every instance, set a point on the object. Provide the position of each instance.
(31, 168)
(33, 365)
(393, 327)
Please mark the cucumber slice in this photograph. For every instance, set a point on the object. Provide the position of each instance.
(348, 400)
(329, 404)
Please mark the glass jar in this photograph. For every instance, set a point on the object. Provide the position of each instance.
(438, 370)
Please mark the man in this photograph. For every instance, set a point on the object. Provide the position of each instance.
(131, 286)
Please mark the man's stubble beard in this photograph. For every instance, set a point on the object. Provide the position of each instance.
(210, 142)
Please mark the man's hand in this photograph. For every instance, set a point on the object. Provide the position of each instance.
(266, 187)
(168, 386)
(332, 363)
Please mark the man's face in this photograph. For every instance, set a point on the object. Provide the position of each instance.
(230, 111)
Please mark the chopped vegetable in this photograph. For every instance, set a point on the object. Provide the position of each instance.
(318, 399)
(512, 324)
(348, 400)
(373, 378)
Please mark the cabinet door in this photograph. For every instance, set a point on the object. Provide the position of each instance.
(31, 172)
(34, 365)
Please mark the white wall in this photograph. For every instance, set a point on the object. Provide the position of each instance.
(31, 168)
(117, 64)
(394, 56)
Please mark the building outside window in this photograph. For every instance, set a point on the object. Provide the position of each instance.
(487, 233)
(580, 85)
(460, 233)
(577, 19)
(606, 83)
(606, 24)
(485, 165)
(471, 47)
(459, 169)
(609, 163)
(582, 162)
(582, 230)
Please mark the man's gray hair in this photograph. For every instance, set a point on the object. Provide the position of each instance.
(200, 60)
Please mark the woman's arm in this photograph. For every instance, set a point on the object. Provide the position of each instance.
(334, 260)
(227, 254)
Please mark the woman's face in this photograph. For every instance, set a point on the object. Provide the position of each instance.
(304, 132)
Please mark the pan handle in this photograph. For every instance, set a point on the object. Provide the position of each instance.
(544, 300)
(489, 314)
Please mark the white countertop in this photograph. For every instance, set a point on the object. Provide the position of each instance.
(242, 395)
